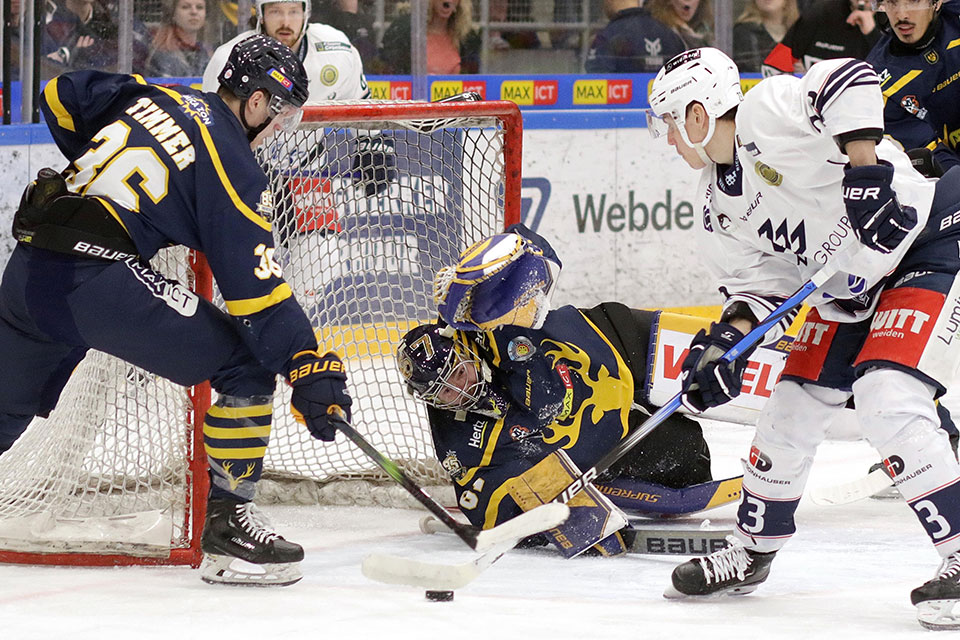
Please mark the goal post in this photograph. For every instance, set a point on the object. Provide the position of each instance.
(369, 200)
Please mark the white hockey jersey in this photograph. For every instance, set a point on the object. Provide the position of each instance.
(334, 68)
(776, 216)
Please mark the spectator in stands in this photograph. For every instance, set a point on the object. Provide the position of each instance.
(759, 28)
(691, 19)
(829, 29)
(633, 41)
(513, 11)
(178, 48)
(347, 16)
(453, 45)
(81, 34)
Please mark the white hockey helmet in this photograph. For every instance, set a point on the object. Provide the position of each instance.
(707, 76)
(306, 14)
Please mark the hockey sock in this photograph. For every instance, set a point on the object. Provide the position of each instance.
(235, 435)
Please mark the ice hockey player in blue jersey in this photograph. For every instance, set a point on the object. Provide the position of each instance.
(152, 167)
(519, 405)
(919, 67)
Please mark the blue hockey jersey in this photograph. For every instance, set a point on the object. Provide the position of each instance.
(921, 90)
(174, 166)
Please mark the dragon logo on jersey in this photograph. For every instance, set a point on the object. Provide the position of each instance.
(451, 464)
(912, 106)
(768, 174)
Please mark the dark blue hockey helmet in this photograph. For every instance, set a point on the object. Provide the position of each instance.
(439, 370)
(260, 62)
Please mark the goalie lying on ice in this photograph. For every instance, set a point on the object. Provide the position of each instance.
(517, 412)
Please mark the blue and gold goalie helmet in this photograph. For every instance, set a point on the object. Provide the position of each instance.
(439, 371)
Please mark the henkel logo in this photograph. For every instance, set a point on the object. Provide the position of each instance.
(760, 460)
(446, 88)
(383, 90)
(910, 319)
(812, 332)
(602, 92)
(894, 466)
(529, 92)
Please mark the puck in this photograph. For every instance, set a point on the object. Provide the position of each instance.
(439, 596)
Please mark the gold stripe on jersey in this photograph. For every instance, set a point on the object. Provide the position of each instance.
(253, 411)
(250, 306)
(901, 83)
(64, 119)
(246, 453)
(953, 43)
(487, 454)
(236, 433)
(113, 212)
(241, 206)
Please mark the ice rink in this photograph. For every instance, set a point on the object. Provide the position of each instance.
(846, 574)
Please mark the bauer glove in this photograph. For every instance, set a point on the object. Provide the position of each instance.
(319, 382)
(879, 221)
(375, 163)
(706, 381)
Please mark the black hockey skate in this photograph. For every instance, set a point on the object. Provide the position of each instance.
(239, 548)
(938, 600)
(733, 570)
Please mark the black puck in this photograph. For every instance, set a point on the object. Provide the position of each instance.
(439, 596)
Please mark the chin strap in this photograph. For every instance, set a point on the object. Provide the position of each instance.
(699, 146)
(252, 132)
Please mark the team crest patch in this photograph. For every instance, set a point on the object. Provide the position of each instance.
(520, 349)
(931, 56)
(768, 174)
(912, 106)
(519, 432)
(265, 205)
(451, 464)
(329, 75)
(196, 107)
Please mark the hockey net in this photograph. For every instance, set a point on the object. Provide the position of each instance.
(369, 200)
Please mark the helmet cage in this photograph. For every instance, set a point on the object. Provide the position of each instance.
(457, 398)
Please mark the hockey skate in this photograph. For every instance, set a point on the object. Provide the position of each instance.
(938, 600)
(240, 548)
(733, 570)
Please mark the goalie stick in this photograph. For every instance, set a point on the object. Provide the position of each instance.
(852, 491)
(406, 571)
(542, 518)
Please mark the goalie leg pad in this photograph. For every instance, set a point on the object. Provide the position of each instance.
(593, 518)
(235, 436)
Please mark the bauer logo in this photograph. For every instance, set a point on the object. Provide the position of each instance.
(446, 88)
(602, 91)
(529, 92)
(759, 460)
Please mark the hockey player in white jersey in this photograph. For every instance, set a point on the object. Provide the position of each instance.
(797, 175)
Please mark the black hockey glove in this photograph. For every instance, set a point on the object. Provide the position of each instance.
(375, 163)
(706, 382)
(319, 381)
(877, 218)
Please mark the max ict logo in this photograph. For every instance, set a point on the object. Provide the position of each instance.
(392, 90)
(530, 92)
(446, 88)
(759, 460)
(602, 91)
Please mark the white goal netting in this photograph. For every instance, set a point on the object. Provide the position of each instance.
(369, 201)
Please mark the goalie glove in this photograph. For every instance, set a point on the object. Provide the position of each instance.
(705, 380)
(375, 163)
(878, 219)
(504, 279)
(319, 382)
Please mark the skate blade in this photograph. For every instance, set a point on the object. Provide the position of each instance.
(238, 573)
(671, 593)
(939, 615)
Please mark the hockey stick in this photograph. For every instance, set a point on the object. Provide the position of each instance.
(543, 517)
(876, 480)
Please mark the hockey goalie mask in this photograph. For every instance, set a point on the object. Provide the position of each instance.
(439, 370)
(707, 76)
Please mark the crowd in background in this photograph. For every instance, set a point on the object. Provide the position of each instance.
(175, 38)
